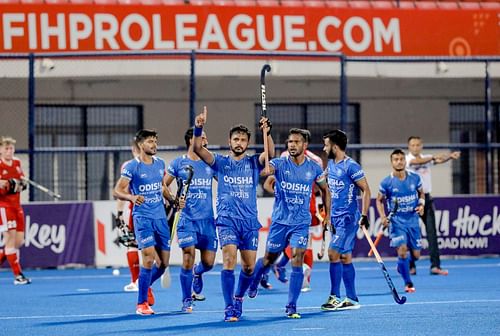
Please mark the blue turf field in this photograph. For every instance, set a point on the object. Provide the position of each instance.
(91, 302)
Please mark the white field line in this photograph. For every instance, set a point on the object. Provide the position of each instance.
(262, 310)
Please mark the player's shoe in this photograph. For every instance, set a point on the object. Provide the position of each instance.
(21, 280)
(238, 306)
(348, 304)
(438, 271)
(229, 315)
(151, 297)
(413, 271)
(144, 309)
(264, 282)
(131, 287)
(280, 273)
(187, 305)
(198, 297)
(306, 287)
(409, 288)
(197, 283)
(331, 303)
(253, 290)
(291, 311)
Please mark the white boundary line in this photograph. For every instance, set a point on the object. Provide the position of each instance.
(261, 310)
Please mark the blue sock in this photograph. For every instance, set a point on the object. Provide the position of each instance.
(348, 275)
(227, 283)
(283, 260)
(404, 269)
(243, 283)
(201, 268)
(186, 277)
(296, 279)
(258, 272)
(335, 278)
(144, 283)
(156, 273)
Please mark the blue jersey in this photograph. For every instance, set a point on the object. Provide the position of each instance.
(199, 198)
(147, 180)
(293, 190)
(342, 178)
(405, 192)
(237, 186)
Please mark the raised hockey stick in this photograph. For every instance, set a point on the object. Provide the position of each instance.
(263, 111)
(183, 194)
(42, 188)
(395, 295)
(381, 232)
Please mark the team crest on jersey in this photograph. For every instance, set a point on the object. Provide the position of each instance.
(4, 172)
(144, 175)
(338, 171)
(287, 172)
(208, 170)
(395, 190)
(412, 186)
(308, 175)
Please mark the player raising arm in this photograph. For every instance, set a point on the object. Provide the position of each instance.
(295, 178)
(237, 223)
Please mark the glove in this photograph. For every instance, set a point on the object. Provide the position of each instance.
(14, 186)
(364, 221)
(119, 222)
(269, 124)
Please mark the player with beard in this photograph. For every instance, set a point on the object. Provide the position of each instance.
(196, 227)
(142, 182)
(237, 223)
(295, 178)
(345, 178)
(404, 187)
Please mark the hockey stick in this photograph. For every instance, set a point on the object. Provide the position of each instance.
(395, 295)
(321, 252)
(263, 111)
(42, 188)
(183, 194)
(381, 232)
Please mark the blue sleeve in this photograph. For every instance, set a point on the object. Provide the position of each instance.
(255, 158)
(319, 172)
(355, 172)
(173, 168)
(275, 163)
(217, 162)
(419, 181)
(129, 169)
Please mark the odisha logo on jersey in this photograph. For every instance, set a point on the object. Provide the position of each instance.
(294, 186)
(238, 179)
(336, 183)
(202, 182)
(150, 187)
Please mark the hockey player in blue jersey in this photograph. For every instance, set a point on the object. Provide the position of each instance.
(295, 178)
(196, 227)
(142, 182)
(405, 188)
(345, 179)
(237, 223)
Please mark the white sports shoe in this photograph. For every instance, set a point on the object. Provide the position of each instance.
(131, 287)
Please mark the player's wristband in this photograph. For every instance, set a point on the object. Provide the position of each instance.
(421, 201)
(198, 131)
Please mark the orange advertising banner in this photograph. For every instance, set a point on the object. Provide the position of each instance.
(384, 32)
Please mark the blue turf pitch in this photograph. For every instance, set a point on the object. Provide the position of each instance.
(92, 302)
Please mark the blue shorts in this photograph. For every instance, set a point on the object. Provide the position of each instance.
(244, 233)
(200, 234)
(344, 239)
(406, 235)
(152, 232)
(281, 235)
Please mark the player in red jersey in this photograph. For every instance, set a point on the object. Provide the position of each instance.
(127, 237)
(11, 212)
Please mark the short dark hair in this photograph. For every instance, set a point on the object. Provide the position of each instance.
(306, 135)
(143, 134)
(397, 151)
(188, 136)
(414, 137)
(337, 137)
(240, 129)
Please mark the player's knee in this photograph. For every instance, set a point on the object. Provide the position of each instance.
(346, 258)
(248, 269)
